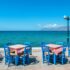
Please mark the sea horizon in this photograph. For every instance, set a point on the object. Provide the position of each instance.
(35, 37)
(32, 30)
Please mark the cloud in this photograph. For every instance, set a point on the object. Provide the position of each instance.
(49, 25)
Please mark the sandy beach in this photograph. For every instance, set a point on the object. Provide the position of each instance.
(38, 65)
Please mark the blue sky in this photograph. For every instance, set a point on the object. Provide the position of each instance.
(33, 14)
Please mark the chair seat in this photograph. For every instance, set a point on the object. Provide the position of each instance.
(23, 55)
(46, 53)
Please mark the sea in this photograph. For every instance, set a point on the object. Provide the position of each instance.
(34, 37)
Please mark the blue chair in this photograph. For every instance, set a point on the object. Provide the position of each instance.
(62, 56)
(25, 56)
(27, 53)
(28, 44)
(10, 58)
(45, 49)
(54, 55)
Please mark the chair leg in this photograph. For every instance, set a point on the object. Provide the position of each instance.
(6, 60)
(23, 60)
(9, 61)
(54, 58)
(68, 53)
(43, 57)
(62, 61)
(28, 61)
(16, 60)
(63, 58)
(48, 58)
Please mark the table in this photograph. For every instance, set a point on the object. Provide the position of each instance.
(53, 45)
(17, 48)
(56, 49)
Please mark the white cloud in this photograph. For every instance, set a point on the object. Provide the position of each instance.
(49, 25)
(53, 25)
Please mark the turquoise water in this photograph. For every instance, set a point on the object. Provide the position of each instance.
(36, 37)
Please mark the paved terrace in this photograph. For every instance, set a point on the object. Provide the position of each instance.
(36, 64)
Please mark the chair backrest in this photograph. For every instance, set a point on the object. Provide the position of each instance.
(63, 46)
(6, 50)
(28, 44)
(9, 43)
(44, 47)
(64, 49)
(28, 48)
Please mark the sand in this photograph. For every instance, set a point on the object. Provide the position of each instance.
(38, 65)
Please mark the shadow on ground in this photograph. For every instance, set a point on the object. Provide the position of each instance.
(58, 60)
(32, 61)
